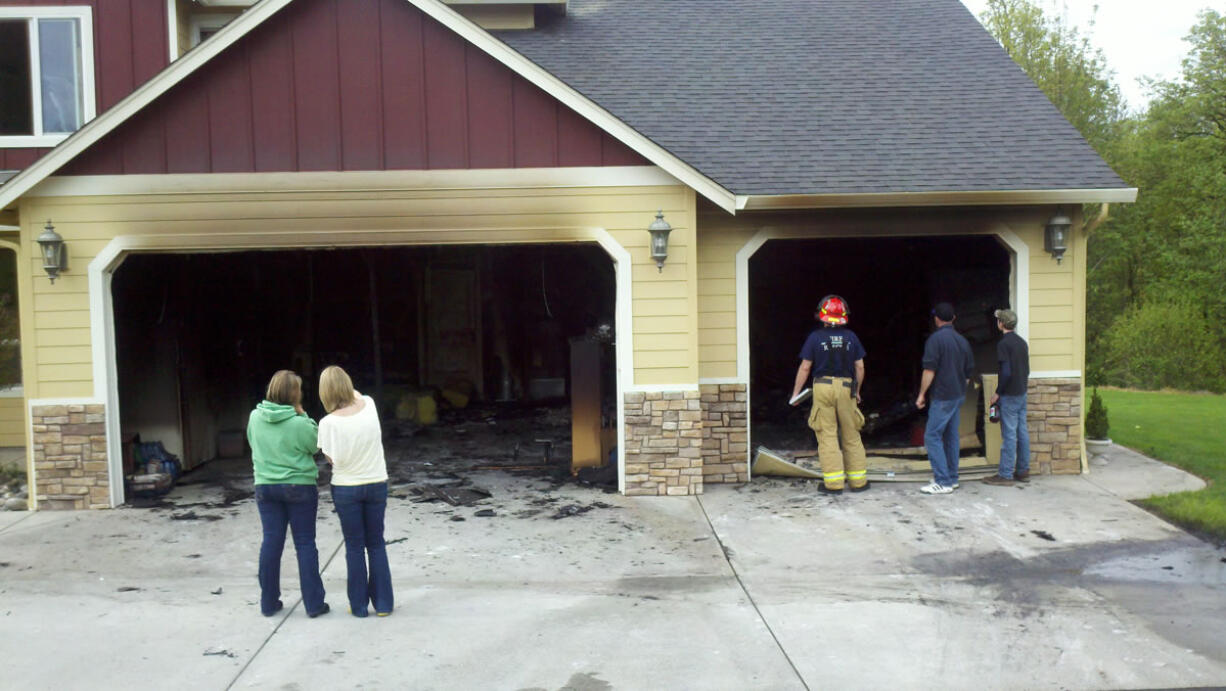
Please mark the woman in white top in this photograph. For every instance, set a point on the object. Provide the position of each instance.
(352, 441)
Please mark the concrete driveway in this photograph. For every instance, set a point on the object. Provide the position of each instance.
(1058, 584)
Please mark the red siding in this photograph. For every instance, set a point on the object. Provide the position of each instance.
(130, 46)
(351, 85)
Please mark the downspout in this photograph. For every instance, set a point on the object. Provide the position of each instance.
(1104, 211)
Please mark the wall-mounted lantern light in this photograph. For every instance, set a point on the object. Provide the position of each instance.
(1055, 238)
(55, 259)
(659, 230)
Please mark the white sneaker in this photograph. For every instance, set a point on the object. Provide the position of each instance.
(956, 485)
(934, 488)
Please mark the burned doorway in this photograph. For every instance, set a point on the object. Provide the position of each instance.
(480, 356)
(890, 285)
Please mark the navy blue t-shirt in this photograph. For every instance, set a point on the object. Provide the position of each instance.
(948, 354)
(833, 351)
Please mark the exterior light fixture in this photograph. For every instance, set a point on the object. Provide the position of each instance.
(55, 259)
(659, 230)
(1055, 238)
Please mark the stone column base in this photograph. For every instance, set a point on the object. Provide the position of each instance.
(70, 467)
(725, 433)
(1053, 415)
(663, 443)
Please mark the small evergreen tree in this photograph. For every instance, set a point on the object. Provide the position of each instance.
(1096, 418)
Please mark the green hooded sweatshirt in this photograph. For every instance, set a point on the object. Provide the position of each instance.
(283, 445)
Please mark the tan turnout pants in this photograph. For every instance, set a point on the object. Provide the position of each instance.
(833, 420)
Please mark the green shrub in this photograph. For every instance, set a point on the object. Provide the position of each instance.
(1163, 345)
(1096, 418)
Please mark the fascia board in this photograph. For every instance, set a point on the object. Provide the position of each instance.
(759, 202)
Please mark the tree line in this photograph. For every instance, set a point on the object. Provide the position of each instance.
(1156, 303)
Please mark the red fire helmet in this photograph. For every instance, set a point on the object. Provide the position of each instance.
(833, 310)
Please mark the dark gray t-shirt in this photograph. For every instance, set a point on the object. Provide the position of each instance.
(1014, 357)
(948, 354)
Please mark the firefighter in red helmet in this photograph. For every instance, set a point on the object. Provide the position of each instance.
(832, 359)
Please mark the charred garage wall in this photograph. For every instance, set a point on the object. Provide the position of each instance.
(198, 335)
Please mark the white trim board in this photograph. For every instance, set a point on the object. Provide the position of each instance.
(172, 31)
(662, 388)
(180, 69)
(373, 181)
(101, 306)
(1057, 374)
(937, 198)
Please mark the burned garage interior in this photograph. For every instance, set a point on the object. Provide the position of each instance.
(891, 285)
(479, 357)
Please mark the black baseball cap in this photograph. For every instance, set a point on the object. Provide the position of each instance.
(943, 311)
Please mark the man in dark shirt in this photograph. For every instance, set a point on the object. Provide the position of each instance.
(834, 357)
(1014, 357)
(948, 365)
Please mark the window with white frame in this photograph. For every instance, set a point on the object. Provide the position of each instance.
(46, 74)
(203, 26)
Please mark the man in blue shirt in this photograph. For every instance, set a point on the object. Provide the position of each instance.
(834, 358)
(948, 365)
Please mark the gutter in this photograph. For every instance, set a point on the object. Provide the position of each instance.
(762, 202)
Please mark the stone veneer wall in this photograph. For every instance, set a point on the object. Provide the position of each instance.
(1053, 414)
(663, 443)
(70, 468)
(725, 432)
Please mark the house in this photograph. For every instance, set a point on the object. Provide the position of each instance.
(475, 183)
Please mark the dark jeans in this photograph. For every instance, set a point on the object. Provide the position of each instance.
(295, 506)
(1014, 437)
(361, 509)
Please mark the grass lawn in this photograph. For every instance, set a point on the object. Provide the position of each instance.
(1186, 430)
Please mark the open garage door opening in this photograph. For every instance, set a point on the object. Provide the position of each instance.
(480, 357)
(891, 285)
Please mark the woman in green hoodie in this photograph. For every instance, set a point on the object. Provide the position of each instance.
(283, 445)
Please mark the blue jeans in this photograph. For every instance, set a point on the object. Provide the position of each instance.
(1015, 438)
(941, 439)
(295, 506)
(361, 509)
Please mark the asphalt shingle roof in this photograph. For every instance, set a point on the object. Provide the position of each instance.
(819, 96)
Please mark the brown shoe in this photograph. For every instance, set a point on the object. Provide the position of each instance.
(998, 481)
(1022, 477)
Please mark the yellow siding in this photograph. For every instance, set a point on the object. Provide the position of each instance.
(1056, 291)
(57, 342)
(12, 421)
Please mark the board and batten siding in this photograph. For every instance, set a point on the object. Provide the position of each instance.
(1056, 291)
(130, 46)
(56, 337)
(351, 85)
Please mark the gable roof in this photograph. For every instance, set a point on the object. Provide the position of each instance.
(185, 66)
(829, 97)
(783, 102)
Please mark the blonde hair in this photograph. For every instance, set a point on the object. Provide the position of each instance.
(285, 388)
(335, 388)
